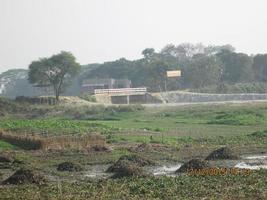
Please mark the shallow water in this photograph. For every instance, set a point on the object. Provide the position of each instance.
(97, 171)
(254, 162)
(243, 165)
(166, 169)
(256, 157)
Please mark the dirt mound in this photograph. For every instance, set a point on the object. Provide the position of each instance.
(100, 148)
(193, 164)
(142, 147)
(222, 153)
(69, 166)
(131, 160)
(127, 169)
(25, 176)
(5, 159)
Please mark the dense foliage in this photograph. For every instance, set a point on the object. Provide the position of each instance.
(54, 72)
(201, 66)
(204, 68)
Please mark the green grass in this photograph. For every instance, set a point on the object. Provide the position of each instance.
(6, 146)
(55, 126)
(218, 124)
(192, 132)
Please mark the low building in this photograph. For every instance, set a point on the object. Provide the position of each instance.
(89, 85)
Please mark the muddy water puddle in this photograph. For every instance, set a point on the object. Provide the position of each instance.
(168, 170)
(253, 162)
(97, 171)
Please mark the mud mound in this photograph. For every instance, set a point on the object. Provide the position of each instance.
(100, 148)
(143, 147)
(130, 160)
(127, 169)
(25, 176)
(69, 166)
(193, 164)
(5, 159)
(222, 153)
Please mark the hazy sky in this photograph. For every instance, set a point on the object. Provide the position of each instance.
(104, 30)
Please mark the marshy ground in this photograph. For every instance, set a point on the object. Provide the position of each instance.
(166, 136)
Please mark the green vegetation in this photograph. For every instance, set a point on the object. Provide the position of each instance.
(163, 135)
(182, 187)
(55, 72)
(216, 69)
(255, 87)
(259, 134)
(170, 125)
(53, 126)
(6, 146)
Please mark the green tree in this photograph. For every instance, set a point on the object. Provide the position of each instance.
(260, 67)
(55, 72)
(202, 71)
(237, 67)
(148, 53)
(157, 75)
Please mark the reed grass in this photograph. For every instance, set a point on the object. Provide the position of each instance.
(37, 142)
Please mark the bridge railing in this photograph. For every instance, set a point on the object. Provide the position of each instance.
(120, 90)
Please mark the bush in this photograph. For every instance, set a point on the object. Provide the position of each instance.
(259, 134)
(257, 87)
(10, 106)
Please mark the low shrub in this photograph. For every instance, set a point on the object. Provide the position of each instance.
(259, 134)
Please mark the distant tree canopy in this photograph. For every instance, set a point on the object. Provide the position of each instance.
(236, 67)
(260, 67)
(200, 65)
(202, 71)
(204, 68)
(56, 71)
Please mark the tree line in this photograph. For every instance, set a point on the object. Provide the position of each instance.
(212, 67)
(201, 66)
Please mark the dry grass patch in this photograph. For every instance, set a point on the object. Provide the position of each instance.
(37, 142)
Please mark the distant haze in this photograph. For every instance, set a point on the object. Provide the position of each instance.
(104, 30)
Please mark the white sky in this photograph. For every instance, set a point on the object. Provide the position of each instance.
(105, 30)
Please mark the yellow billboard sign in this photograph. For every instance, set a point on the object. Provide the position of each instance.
(176, 73)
